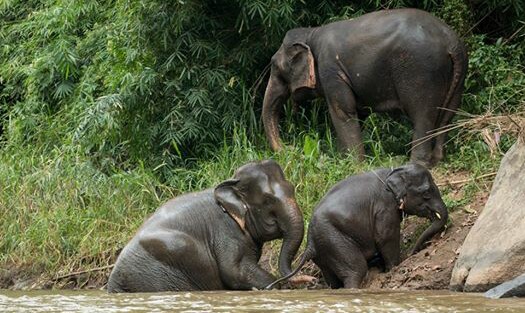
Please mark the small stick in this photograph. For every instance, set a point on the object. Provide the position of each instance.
(513, 121)
(467, 180)
(85, 271)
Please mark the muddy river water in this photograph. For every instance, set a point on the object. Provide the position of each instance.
(254, 301)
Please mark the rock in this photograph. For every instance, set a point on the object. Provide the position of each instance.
(494, 250)
(511, 288)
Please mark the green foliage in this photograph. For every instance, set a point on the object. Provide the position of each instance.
(53, 208)
(144, 81)
(108, 108)
(139, 81)
(496, 77)
(457, 14)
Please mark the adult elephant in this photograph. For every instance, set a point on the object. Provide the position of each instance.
(358, 221)
(403, 59)
(212, 239)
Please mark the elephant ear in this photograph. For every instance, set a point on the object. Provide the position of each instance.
(302, 67)
(229, 199)
(396, 182)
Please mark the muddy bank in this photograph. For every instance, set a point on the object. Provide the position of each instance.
(431, 268)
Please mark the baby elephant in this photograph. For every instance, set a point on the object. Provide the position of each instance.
(212, 239)
(359, 219)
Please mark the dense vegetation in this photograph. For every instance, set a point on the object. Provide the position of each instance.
(108, 108)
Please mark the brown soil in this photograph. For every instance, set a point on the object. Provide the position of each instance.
(27, 278)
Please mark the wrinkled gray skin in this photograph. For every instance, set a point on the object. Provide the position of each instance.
(359, 220)
(190, 243)
(393, 60)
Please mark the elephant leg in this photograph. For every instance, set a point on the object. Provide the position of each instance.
(330, 278)
(390, 251)
(354, 270)
(438, 151)
(183, 262)
(257, 277)
(388, 238)
(341, 259)
(342, 106)
(245, 275)
(421, 91)
(421, 146)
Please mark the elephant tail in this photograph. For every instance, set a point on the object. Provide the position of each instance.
(308, 254)
(458, 55)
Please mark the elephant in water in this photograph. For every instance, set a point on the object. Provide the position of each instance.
(358, 220)
(212, 239)
(393, 60)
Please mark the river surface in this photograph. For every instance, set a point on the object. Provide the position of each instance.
(254, 301)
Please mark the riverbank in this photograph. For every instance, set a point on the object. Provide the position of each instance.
(65, 221)
(429, 269)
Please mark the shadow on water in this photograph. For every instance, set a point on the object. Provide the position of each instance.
(254, 301)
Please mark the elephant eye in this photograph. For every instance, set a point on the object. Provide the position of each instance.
(426, 195)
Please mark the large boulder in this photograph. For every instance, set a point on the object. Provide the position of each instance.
(494, 250)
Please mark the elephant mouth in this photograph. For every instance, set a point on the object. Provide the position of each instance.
(426, 212)
(266, 230)
(433, 213)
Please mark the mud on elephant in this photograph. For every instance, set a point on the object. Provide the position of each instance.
(213, 239)
(358, 220)
(393, 60)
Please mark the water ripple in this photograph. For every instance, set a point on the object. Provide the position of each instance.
(254, 301)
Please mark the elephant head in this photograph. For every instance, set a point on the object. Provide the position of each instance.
(292, 72)
(262, 203)
(414, 187)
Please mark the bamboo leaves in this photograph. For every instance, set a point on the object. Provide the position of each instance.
(143, 81)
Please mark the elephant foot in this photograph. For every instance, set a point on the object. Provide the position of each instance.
(435, 160)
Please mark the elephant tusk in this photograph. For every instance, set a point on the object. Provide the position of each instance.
(401, 204)
(438, 216)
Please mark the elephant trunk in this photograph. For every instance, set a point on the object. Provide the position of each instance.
(274, 97)
(292, 228)
(439, 219)
(308, 254)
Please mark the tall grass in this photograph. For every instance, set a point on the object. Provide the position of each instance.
(62, 214)
(59, 211)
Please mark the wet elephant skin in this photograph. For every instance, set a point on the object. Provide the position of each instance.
(212, 239)
(358, 221)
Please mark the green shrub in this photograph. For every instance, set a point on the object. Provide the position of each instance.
(496, 77)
